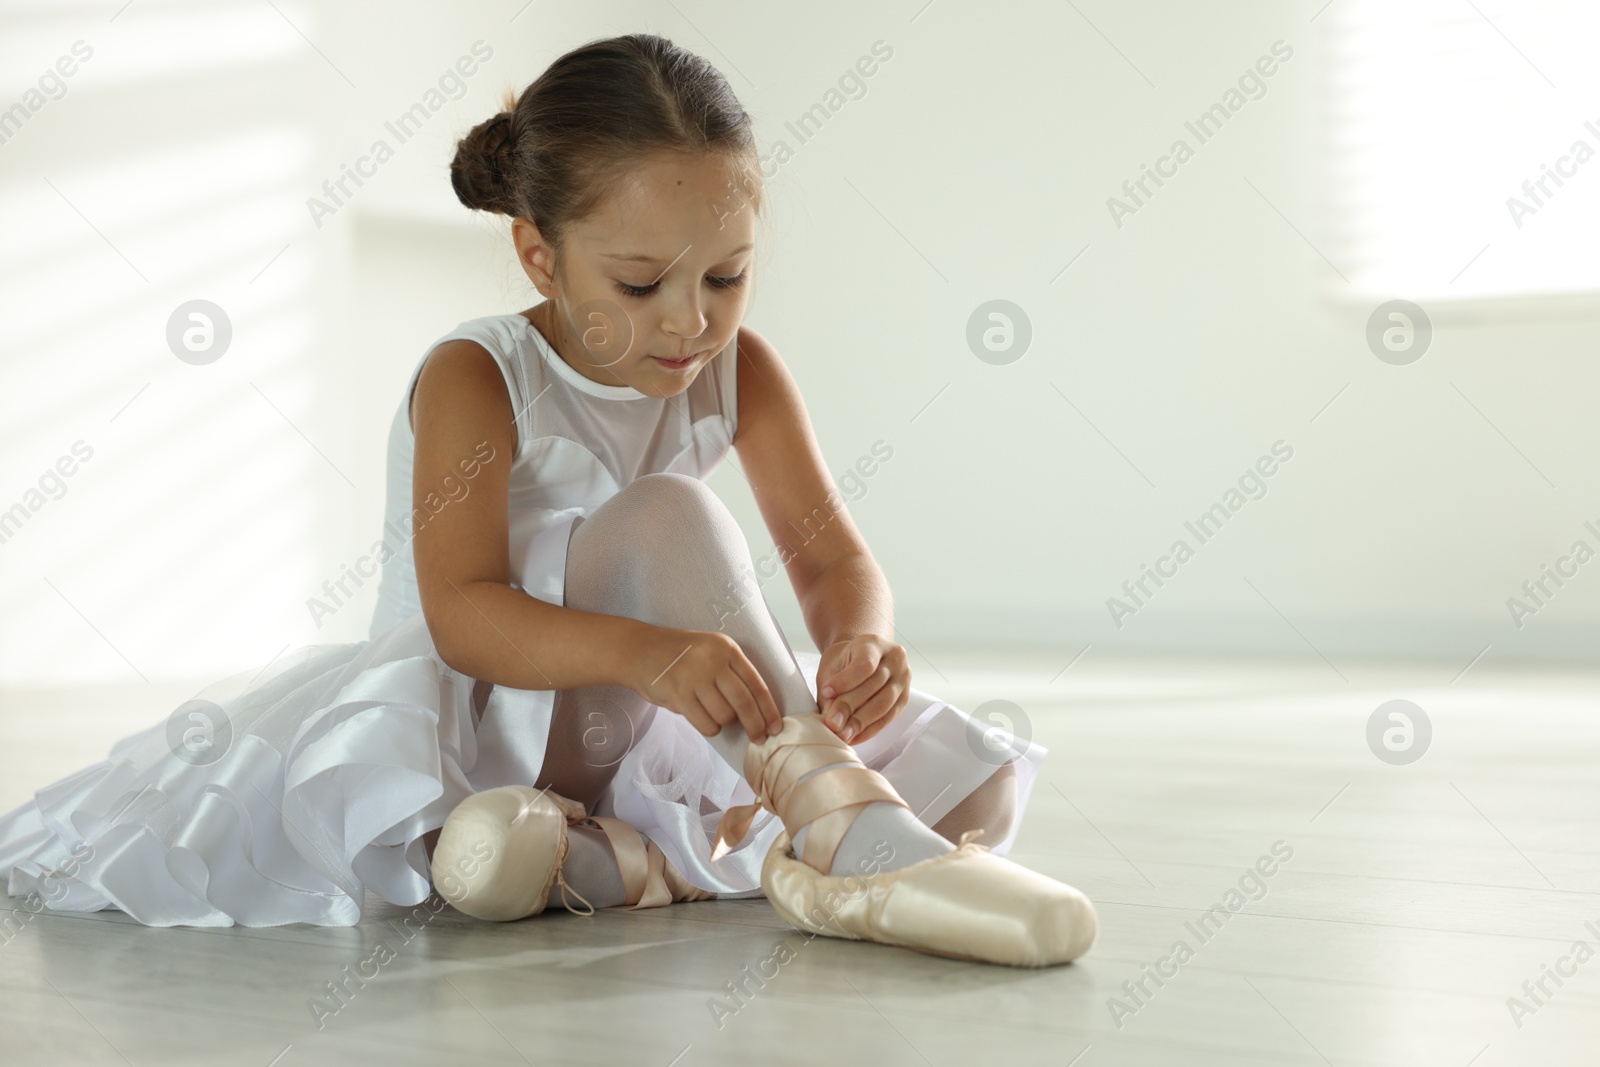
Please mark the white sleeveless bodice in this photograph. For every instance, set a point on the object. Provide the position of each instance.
(578, 442)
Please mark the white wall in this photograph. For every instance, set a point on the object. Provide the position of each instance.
(976, 167)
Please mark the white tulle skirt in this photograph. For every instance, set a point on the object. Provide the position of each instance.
(283, 795)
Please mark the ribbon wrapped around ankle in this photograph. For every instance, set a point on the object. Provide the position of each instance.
(648, 880)
(832, 799)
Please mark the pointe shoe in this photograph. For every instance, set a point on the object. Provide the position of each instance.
(967, 904)
(500, 854)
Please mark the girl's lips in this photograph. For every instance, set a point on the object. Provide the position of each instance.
(674, 364)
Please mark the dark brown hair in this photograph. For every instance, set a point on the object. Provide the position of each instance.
(554, 154)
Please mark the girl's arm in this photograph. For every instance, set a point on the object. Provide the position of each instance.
(864, 678)
(485, 628)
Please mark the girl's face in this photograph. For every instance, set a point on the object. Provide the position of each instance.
(653, 285)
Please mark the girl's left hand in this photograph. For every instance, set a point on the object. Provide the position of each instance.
(863, 682)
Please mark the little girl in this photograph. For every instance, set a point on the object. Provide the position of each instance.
(573, 682)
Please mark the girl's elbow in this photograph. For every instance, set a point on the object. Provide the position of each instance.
(443, 629)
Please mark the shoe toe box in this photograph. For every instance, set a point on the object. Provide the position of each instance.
(1064, 926)
(984, 907)
(498, 853)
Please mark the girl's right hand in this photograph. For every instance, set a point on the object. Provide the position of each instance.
(704, 676)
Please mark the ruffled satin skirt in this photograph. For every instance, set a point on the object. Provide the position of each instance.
(285, 794)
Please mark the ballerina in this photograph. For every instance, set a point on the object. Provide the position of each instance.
(573, 685)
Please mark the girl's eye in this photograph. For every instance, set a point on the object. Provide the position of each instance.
(716, 282)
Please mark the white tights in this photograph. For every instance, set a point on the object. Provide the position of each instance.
(666, 551)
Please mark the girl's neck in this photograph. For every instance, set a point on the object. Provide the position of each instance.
(546, 322)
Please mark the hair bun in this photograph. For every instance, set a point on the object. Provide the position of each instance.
(479, 171)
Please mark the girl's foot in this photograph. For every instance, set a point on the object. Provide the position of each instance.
(591, 868)
(882, 828)
(503, 851)
(962, 901)
(883, 836)
(843, 816)
(624, 867)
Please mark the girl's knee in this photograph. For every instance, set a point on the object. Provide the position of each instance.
(675, 499)
(664, 550)
(661, 517)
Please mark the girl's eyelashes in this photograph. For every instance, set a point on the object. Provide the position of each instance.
(715, 282)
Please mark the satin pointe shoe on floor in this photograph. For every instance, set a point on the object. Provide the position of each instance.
(967, 904)
(500, 854)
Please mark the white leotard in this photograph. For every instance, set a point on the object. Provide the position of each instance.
(578, 442)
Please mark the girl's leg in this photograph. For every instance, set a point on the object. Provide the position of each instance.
(992, 808)
(665, 550)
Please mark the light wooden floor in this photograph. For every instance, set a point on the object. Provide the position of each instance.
(1418, 899)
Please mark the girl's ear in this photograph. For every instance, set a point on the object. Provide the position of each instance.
(533, 252)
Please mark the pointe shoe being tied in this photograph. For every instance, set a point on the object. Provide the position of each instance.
(500, 853)
(968, 904)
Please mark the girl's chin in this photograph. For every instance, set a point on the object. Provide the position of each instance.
(653, 379)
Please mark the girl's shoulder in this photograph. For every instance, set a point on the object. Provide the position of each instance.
(485, 356)
(763, 389)
(504, 337)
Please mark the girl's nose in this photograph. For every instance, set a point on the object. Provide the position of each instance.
(685, 316)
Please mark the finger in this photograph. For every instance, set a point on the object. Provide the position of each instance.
(825, 670)
(898, 662)
(831, 681)
(875, 728)
(857, 667)
(845, 704)
(757, 686)
(872, 712)
(717, 707)
(869, 685)
(700, 720)
(870, 732)
(738, 695)
(827, 666)
(849, 675)
(841, 707)
(825, 697)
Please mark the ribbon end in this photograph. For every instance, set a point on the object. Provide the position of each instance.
(735, 823)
